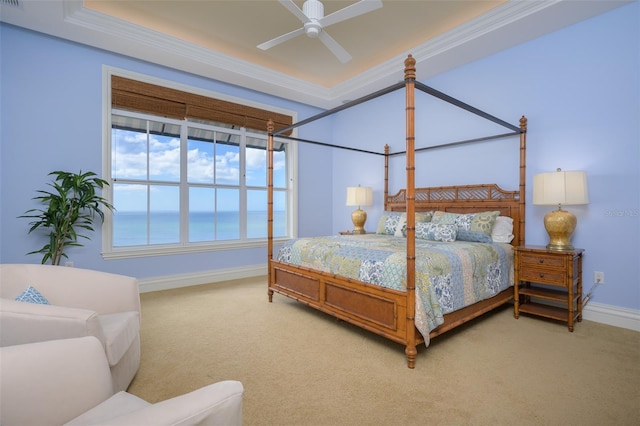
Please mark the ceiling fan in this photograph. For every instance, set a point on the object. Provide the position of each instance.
(312, 16)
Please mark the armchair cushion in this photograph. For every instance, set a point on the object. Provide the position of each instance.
(118, 405)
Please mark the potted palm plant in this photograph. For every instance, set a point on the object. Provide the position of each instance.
(72, 205)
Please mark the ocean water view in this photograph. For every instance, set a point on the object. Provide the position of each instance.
(130, 228)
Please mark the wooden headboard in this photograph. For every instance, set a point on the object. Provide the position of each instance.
(466, 199)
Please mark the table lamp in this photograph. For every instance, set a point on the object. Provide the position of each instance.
(359, 196)
(560, 188)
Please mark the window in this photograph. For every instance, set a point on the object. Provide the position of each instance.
(191, 184)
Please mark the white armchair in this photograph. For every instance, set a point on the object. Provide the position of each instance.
(68, 382)
(82, 302)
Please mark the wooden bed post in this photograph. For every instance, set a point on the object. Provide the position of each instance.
(523, 176)
(386, 176)
(270, 129)
(409, 78)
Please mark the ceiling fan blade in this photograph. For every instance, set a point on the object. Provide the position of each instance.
(293, 8)
(281, 39)
(342, 55)
(356, 9)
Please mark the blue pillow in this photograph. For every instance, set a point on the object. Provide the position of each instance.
(471, 226)
(31, 295)
(443, 232)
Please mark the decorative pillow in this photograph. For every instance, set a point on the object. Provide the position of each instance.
(474, 227)
(421, 217)
(395, 223)
(502, 231)
(388, 223)
(31, 295)
(436, 231)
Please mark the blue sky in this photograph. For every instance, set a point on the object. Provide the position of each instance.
(131, 159)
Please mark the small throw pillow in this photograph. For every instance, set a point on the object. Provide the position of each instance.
(443, 232)
(474, 227)
(31, 295)
(388, 223)
(395, 223)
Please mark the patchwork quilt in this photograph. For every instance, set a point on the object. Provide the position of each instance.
(449, 275)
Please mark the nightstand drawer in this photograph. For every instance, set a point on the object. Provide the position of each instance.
(544, 277)
(531, 259)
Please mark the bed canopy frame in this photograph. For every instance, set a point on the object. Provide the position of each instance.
(386, 312)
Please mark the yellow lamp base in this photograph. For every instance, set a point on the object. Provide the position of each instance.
(560, 225)
(358, 217)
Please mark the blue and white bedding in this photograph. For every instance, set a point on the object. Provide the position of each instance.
(449, 275)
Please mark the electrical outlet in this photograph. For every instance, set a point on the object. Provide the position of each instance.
(69, 263)
(598, 277)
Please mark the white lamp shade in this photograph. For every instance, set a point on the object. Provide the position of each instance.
(359, 196)
(560, 188)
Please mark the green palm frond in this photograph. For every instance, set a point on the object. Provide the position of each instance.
(73, 203)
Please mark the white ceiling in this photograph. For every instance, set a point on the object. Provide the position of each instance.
(218, 38)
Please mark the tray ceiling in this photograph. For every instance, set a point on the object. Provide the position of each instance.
(218, 39)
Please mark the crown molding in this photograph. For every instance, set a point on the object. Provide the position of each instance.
(191, 56)
(235, 71)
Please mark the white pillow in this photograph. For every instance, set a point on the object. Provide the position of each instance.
(502, 231)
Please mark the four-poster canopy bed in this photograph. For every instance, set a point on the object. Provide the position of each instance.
(391, 310)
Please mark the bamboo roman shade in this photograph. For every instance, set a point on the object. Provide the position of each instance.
(152, 99)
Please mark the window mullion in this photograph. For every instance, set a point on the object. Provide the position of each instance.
(243, 183)
(148, 183)
(184, 187)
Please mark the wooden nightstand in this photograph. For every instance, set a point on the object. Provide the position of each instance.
(552, 275)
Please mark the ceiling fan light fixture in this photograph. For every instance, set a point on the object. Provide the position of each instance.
(312, 29)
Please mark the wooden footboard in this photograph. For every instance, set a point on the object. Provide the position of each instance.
(377, 309)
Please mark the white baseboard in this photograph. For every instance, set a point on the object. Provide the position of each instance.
(612, 315)
(605, 314)
(185, 280)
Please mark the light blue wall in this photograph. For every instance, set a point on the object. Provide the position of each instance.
(580, 90)
(51, 119)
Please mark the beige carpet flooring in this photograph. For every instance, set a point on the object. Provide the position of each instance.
(302, 367)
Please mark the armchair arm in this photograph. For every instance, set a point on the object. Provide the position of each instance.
(30, 322)
(52, 382)
(216, 404)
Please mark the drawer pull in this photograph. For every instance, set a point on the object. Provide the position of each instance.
(541, 275)
(541, 260)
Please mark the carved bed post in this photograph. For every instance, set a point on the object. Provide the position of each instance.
(409, 77)
(523, 176)
(270, 129)
(386, 176)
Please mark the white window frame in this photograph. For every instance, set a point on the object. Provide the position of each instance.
(110, 252)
